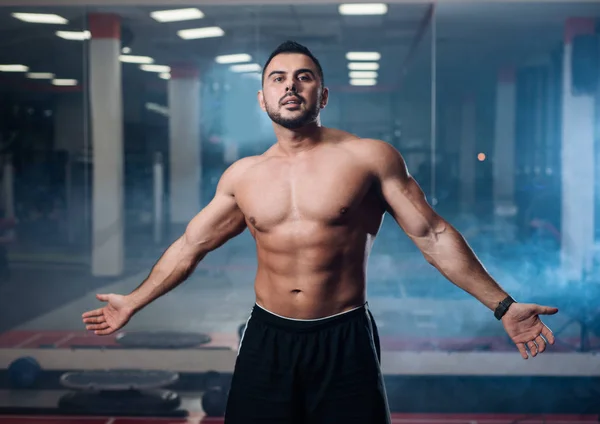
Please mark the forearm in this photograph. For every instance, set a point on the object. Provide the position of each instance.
(450, 254)
(173, 268)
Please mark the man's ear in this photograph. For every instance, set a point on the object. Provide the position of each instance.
(261, 101)
(324, 98)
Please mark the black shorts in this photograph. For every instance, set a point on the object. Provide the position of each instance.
(308, 371)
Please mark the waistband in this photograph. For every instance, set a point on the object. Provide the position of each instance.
(265, 316)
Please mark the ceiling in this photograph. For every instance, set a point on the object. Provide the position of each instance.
(471, 39)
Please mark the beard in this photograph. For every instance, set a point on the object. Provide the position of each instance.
(305, 117)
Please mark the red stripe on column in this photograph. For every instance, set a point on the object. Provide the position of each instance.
(578, 26)
(184, 70)
(105, 25)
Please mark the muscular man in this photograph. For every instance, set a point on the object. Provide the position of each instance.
(314, 203)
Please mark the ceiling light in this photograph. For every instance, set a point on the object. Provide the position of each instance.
(40, 75)
(156, 68)
(13, 68)
(362, 74)
(74, 35)
(177, 15)
(254, 75)
(165, 76)
(363, 9)
(363, 66)
(233, 58)
(135, 59)
(40, 18)
(64, 82)
(207, 32)
(246, 67)
(363, 82)
(363, 56)
(126, 50)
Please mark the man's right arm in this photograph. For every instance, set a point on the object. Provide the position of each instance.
(218, 222)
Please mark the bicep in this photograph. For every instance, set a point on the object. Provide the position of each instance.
(405, 200)
(218, 222)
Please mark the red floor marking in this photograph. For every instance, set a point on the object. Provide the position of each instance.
(16, 419)
(396, 419)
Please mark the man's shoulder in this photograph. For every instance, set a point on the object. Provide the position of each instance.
(371, 149)
(245, 163)
(238, 169)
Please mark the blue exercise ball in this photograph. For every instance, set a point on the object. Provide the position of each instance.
(23, 372)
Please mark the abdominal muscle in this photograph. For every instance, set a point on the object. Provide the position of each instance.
(312, 274)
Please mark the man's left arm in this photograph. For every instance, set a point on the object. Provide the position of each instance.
(447, 250)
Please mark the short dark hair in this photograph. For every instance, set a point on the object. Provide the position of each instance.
(294, 47)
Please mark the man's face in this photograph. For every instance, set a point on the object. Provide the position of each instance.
(292, 95)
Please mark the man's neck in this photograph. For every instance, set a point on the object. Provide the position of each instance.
(292, 142)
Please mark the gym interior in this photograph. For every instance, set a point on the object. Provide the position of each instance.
(118, 118)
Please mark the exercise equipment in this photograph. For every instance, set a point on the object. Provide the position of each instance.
(214, 402)
(23, 373)
(120, 392)
(161, 340)
(214, 379)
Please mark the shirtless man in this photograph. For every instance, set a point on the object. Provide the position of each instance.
(314, 203)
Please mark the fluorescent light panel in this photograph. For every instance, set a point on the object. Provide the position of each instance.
(40, 75)
(363, 9)
(135, 59)
(255, 75)
(165, 76)
(372, 56)
(177, 15)
(13, 68)
(40, 18)
(362, 74)
(363, 66)
(246, 67)
(155, 68)
(74, 35)
(363, 82)
(64, 82)
(233, 58)
(207, 32)
(126, 50)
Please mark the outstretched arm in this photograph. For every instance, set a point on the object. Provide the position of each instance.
(218, 222)
(446, 249)
(441, 244)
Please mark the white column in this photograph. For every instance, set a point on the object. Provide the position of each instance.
(504, 144)
(184, 143)
(468, 155)
(107, 145)
(577, 227)
(159, 193)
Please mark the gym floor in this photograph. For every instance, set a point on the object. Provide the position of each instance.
(218, 298)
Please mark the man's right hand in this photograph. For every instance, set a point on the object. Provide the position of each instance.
(117, 312)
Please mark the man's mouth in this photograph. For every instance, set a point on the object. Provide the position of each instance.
(293, 101)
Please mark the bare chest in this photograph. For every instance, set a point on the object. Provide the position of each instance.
(320, 192)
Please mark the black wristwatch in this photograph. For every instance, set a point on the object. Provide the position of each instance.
(503, 307)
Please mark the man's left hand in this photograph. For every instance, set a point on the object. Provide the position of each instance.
(526, 329)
